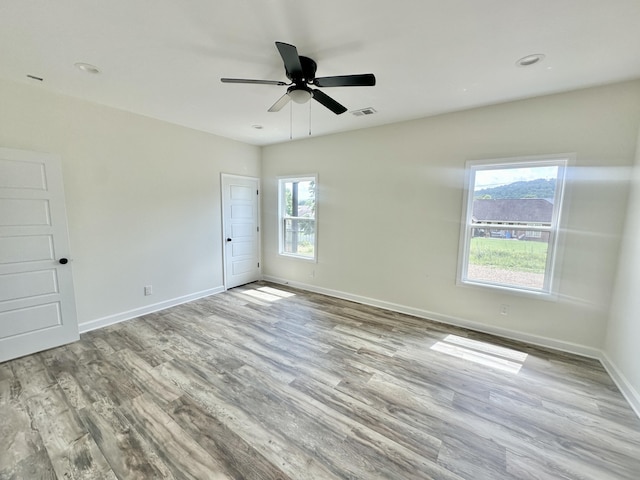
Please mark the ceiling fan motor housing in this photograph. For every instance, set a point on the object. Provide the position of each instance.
(309, 67)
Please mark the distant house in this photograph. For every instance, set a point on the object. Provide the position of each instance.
(510, 217)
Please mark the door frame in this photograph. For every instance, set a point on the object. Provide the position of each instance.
(223, 204)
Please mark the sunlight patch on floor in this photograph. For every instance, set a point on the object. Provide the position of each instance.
(277, 292)
(268, 294)
(483, 353)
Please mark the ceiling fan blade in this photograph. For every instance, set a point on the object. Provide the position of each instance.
(291, 59)
(328, 102)
(361, 80)
(255, 82)
(281, 102)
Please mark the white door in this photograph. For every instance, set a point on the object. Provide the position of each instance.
(241, 230)
(37, 305)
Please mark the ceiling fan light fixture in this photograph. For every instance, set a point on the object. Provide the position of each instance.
(300, 95)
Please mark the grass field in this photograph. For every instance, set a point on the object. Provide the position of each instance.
(509, 254)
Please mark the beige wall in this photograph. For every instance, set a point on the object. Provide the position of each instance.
(622, 347)
(390, 201)
(143, 197)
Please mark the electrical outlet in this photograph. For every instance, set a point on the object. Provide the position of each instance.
(148, 290)
(504, 309)
(312, 274)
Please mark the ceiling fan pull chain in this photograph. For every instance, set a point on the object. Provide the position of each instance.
(290, 121)
(309, 118)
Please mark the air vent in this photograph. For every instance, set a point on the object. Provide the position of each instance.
(364, 111)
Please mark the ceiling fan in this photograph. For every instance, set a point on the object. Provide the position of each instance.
(302, 73)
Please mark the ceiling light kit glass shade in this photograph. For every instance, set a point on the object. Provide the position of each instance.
(300, 95)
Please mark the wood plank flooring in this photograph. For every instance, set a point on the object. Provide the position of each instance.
(268, 382)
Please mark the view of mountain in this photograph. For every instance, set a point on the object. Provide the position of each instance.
(539, 188)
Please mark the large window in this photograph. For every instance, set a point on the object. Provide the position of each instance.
(297, 218)
(511, 223)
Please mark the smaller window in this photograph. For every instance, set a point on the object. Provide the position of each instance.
(297, 217)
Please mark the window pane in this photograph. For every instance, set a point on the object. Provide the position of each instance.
(288, 195)
(300, 198)
(299, 236)
(497, 256)
(510, 224)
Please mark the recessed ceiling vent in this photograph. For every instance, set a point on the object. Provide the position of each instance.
(364, 111)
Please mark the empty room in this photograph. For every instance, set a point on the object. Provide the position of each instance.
(320, 240)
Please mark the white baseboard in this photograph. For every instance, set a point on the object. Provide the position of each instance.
(630, 393)
(448, 319)
(137, 312)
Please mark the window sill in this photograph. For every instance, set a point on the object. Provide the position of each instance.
(523, 292)
(299, 257)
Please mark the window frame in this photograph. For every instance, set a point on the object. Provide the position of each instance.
(282, 217)
(554, 253)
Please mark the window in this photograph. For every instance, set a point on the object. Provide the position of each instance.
(534, 233)
(511, 223)
(297, 218)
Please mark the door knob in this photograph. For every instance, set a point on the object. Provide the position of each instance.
(63, 261)
(228, 239)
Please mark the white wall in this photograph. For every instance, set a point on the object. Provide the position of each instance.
(622, 347)
(390, 201)
(143, 198)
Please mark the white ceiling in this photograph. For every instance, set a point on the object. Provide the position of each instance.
(164, 58)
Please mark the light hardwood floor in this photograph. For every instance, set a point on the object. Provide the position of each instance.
(268, 382)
